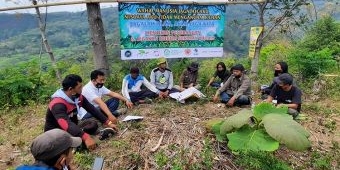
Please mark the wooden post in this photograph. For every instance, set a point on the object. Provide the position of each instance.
(98, 37)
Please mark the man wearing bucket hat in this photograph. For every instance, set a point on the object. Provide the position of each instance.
(162, 78)
(189, 77)
(286, 94)
(236, 90)
(52, 150)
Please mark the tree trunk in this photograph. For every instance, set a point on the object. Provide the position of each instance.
(97, 37)
(46, 44)
(259, 43)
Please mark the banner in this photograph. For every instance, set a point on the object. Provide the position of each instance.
(172, 31)
(254, 35)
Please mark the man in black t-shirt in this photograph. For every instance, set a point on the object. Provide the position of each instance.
(286, 94)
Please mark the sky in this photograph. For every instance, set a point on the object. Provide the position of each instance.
(69, 8)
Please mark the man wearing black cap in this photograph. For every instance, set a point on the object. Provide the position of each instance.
(286, 95)
(189, 77)
(236, 90)
(52, 150)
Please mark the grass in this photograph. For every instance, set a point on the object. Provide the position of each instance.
(260, 161)
(85, 160)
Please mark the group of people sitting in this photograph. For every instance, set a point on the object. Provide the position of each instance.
(74, 110)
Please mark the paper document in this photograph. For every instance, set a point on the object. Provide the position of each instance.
(128, 118)
(181, 96)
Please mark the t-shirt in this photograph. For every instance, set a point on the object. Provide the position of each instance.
(223, 75)
(91, 92)
(293, 96)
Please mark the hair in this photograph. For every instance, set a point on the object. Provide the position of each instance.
(53, 161)
(221, 64)
(284, 66)
(71, 80)
(238, 67)
(134, 70)
(96, 73)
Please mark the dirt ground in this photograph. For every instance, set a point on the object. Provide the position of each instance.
(184, 144)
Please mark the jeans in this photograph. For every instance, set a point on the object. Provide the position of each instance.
(112, 104)
(242, 100)
(215, 84)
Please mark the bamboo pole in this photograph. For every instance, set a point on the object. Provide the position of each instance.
(202, 2)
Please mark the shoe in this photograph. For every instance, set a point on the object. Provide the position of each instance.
(119, 112)
(147, 101)
(106, 133)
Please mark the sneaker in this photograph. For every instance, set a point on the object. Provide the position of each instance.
(106, 133)
(119, 112)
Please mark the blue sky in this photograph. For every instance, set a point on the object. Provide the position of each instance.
(69, 8)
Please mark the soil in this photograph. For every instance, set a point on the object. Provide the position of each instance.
(185, 137)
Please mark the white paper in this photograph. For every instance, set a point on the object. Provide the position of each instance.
(128, 118)
(181, 96)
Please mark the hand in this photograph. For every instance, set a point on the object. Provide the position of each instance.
(113, 126)
(160, 95)
(231, 102)
(166, 94)
(113, 119)
(129, 104)
(181, 89)
(281, 105)
(215, 99)
(191, 85)
(90, 143)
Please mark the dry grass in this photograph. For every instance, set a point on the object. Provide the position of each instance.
(185, 144)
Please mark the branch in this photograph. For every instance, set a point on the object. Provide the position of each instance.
(281, 19)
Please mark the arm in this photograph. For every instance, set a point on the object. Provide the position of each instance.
(120, 97)
(125, 90)
(152, 78)
(59, 112)
(171, 81)
(102, 105)
(94, 111)
(210, 81)
(151, 87)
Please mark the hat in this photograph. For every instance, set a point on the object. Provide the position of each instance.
(285, 78)
(52, 143)
(161, 60)
(193, 66)
(238, 67)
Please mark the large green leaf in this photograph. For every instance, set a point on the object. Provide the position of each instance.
(208, 124)
(284, 129)
(216, 129)
(262, 109)
(247, 138)
(236, 121)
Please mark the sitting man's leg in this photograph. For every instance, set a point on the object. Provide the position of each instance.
(113, 105)
(224, 97)
(242, 100)
(148, 94)
(215, 84)
(293, 112)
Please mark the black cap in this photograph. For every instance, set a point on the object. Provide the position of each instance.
(285, 78)
(238, 67)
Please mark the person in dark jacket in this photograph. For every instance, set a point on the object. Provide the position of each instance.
(222, 73)
(280, 68)
(65, 105)
(52, 150)
(189, 77)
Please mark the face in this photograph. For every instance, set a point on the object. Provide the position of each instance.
(284, 87)
(237, 73)
(99, 81)
(77, 90)
(65, 160)
(220, 68)
(277, 67)
(134, 75)
(162, 65)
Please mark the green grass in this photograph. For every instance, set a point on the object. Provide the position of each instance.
(85, 160)
(260, 161)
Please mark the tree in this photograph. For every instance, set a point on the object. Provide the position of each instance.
(97, 37)
(273, 14)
